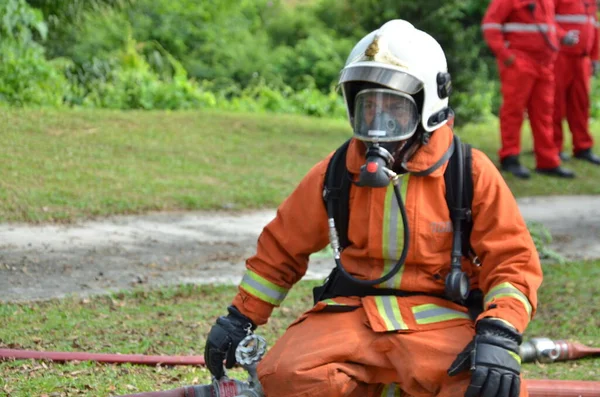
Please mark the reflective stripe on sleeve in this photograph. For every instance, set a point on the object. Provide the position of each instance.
(389, 311)
(573, 18)
(507, 290)
(518, 27)
(431, 313)
(263, 289)
(391, 390)
(491, 26)
(527, 27)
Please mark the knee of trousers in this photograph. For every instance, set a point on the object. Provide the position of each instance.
(293, 378)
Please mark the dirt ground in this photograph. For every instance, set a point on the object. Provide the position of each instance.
(50, 261)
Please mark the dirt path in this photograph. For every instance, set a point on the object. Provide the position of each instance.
(41, 262)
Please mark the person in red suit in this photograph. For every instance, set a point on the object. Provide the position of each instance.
(572, 74)
(523, 36)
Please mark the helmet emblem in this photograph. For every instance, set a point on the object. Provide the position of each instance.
(378, 51)
(373, 49)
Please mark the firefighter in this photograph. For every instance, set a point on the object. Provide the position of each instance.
(404, 334)
(522, 35)
(572, 74)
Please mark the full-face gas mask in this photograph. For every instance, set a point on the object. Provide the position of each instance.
(384, 120)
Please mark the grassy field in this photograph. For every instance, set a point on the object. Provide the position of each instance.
(59, 166)
(175, 321)
(72, 164)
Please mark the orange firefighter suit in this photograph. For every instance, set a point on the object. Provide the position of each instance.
(379, 345)
(573, 71)
(522, 35)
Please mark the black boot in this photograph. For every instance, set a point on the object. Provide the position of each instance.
(511, 164)
(559, 171)
(587, 155)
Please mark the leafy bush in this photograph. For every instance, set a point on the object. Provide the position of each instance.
(280, 56)
(126, 81)
(26, 77)
(260, 96)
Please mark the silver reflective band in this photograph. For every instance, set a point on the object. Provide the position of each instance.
(527, 27)
(506, 289)
(430, 313)
(262, 288)
(574, 18)
(491, 26)
(383, 75)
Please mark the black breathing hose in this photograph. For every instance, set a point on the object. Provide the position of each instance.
(333, 237)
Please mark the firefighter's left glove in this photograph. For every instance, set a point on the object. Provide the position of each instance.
(493, 359)
(223, 338)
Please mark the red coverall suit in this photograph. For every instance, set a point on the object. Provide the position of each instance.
(572, 72)
(379, 345)
(525, 29)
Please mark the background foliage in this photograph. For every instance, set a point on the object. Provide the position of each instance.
(257, 55)
(250, 55)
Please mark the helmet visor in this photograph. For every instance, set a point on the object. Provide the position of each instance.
(382, 115)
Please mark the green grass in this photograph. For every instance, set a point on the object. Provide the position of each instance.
(63, 165)
(175, 321)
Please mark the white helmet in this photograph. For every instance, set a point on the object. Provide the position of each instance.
(399, 58)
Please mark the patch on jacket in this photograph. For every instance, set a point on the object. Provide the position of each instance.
(441, 227)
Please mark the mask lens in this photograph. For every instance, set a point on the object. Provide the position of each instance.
(383, 115)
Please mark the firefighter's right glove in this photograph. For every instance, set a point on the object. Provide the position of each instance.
(223, 338)
(493, 359)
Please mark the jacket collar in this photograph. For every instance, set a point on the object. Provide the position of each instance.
(425, 157)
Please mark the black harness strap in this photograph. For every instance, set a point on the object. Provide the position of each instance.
(461, 211)
(337, 188)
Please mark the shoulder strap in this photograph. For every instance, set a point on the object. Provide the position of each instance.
(336, 188)
(461, 210)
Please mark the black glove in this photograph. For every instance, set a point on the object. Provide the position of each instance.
(223, 338)
(493, 358)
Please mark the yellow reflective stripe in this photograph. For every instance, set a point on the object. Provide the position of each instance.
(393, 233)
(505, 322)
(431, 313)
(507, 290)
(263, 289)
(332, 302)
(389, 311)
(515, 356)
(391, 390)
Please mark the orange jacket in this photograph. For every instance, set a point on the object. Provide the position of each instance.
(509, 276)
(525, 26)
(579, 15)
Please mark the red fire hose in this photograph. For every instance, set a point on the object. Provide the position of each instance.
(536, 387)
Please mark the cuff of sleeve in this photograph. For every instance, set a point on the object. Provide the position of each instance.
(255, 309)
(512, 317)
(509, 311)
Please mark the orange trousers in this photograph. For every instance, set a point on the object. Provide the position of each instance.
(325, 354)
